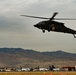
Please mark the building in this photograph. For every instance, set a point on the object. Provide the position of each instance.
(69, 68)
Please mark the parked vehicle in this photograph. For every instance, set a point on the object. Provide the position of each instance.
(43, 69)
(25, 69)
(56, 69)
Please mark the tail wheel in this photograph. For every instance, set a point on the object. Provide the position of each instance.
(74, 35)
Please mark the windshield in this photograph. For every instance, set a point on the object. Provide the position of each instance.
(42, 22)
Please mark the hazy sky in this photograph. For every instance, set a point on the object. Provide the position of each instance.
(17, 31)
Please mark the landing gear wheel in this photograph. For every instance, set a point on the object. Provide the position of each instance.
(48, 30)
(43, 31)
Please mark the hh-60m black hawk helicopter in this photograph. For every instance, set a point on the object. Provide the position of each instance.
(51, 25)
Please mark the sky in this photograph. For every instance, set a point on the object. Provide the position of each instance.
(18, 32)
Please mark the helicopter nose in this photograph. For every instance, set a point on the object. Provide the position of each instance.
(35, 25)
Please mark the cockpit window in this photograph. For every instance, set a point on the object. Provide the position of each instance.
(42, 22)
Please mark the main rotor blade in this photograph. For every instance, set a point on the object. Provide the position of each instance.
(64, 18)
(35, 17)
(50, 18)
(53, 15)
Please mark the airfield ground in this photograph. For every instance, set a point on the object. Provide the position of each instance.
(37, 73)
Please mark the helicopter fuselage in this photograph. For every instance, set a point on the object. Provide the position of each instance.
(51, 25)
(54, 26)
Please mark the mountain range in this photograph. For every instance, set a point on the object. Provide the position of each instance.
(16, 57)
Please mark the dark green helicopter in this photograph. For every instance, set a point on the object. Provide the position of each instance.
(51, 25)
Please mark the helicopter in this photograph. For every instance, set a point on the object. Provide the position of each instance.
(51, 25)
